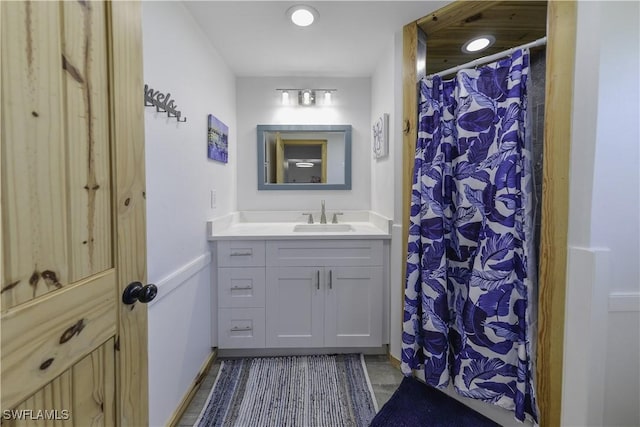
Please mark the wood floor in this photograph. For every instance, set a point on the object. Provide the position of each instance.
(384, 379)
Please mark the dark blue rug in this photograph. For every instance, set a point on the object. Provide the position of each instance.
(415, 404)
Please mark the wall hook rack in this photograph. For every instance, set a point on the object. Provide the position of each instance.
(162, 102)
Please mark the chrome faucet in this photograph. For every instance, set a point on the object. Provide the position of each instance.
(323, 215)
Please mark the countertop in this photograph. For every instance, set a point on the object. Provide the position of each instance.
(280, 226)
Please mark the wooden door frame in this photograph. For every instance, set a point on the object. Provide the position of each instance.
(561, 42)
(128, 161)
(282, 143)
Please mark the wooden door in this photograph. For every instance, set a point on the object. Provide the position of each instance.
(73, 214)
(353, 307)
(295, 307)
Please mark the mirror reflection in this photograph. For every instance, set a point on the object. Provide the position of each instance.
(304, 157)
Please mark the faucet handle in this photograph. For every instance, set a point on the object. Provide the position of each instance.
(335, 217)
(310, 220)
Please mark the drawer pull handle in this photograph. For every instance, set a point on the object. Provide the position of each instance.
(241, 288)
(246, 252)
(330, 279)
(318, 279)
(238, 329)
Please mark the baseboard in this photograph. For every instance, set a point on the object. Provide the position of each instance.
(186, 400)
(394, 362)
(269, 352)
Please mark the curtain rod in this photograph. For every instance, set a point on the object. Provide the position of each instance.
(490, 58)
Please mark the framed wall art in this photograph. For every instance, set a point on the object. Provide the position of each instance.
(217, 140)
(381, 136)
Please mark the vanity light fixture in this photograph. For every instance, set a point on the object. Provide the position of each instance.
(477, 44)
(302, 15)
(307, 97)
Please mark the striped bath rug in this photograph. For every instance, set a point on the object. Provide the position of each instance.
(295, 391)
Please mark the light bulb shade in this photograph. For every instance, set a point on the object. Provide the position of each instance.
(307, 97)
(285, 97)
(327, 97)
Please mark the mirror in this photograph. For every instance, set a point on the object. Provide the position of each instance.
(304, 157)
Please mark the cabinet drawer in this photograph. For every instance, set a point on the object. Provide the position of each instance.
(241, 328)
(321, 253)
(241, 253)
(241, 287)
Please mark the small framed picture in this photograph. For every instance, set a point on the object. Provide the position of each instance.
(381, 136)
(217, 140)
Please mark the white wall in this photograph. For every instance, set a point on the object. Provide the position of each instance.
(601, 384)
(383, 101)
(258, 102)
(178, 59)
(386, 173)
(616, 202)
(615, 184)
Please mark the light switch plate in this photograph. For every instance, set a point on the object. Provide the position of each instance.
(213, 199)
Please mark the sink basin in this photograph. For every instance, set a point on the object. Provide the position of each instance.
(320, 228)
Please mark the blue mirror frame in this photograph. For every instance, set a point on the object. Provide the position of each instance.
(346, 129)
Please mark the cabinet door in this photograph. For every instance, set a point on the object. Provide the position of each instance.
(353, 307)
(295, 307)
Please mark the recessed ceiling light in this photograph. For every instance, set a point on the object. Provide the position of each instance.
(478, 43)
(304, 164)
(302, 15)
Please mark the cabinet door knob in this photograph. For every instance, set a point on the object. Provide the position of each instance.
(318, 279)
(330, 279)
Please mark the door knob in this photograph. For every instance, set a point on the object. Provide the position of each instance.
(137, 292)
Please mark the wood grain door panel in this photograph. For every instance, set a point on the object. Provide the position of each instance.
(73, 215)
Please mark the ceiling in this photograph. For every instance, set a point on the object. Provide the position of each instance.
(512, 23)
(256, 39)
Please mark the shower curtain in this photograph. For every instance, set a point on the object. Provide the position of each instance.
(469, 267)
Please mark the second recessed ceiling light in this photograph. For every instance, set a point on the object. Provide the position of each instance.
(478, 43)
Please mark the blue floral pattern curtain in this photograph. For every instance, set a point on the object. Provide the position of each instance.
(469, 269)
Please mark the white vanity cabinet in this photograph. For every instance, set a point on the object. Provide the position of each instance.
(317, 293)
